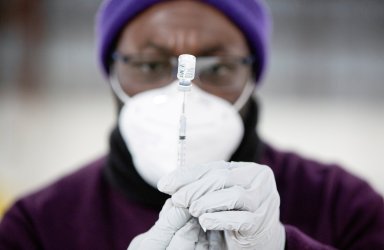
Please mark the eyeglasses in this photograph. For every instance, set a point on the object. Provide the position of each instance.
(220, 72)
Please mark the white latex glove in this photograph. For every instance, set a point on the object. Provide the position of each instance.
(238, 198)
(175, 229)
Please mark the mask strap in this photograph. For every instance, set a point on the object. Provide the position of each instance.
(244, 96)
(117, 89)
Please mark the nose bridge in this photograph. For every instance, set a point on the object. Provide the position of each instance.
(185, 42)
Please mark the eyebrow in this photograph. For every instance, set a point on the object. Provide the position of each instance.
(162, 49)
(213, 50)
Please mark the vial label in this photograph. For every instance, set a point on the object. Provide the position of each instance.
(186, 69)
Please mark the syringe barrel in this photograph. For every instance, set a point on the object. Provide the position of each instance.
(182, 127)
(185, 74)
(181, 161)
(182, 141)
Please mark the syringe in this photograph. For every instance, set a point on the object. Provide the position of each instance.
(185, 74)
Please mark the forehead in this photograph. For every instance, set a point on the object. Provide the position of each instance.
(187, 24)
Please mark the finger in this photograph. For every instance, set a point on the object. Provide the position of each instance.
(166, 207)
(245, 222)
(180, 177)
(257, 180)
(233, 198)
(247, 174)
(136, 242)
(186, 237)
(243, 173)
(191, 192)
(172, 218)
(229, 220)
(170, 221)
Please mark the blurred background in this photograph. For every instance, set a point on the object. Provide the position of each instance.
(323, 94)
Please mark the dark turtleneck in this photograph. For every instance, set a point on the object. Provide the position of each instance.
(122, 174)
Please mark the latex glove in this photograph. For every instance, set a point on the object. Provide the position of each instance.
(238, 198)
(175, 229)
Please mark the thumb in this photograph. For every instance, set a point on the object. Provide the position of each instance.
(170, 221)
(187, 237)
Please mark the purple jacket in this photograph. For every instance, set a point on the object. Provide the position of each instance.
(324, 208)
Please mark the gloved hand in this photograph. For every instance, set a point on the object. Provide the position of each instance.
(175, 229)
(239, 199)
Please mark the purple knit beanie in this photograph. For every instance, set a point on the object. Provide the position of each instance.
(251, 16)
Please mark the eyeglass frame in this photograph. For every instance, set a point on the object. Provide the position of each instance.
(248, 60)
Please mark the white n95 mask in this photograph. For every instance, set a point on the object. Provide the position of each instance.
(149, 122)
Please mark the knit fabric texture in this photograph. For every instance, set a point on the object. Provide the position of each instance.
(250, 16)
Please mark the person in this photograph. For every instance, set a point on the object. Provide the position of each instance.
(235, 192)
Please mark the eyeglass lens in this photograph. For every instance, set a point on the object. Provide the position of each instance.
(211, 72)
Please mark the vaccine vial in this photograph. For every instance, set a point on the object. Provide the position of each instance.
(186, 71)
